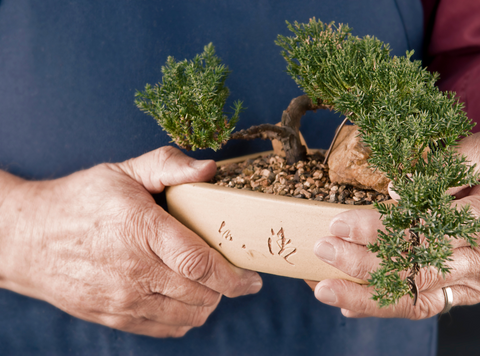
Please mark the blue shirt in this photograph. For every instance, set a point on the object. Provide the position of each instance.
(68, 74)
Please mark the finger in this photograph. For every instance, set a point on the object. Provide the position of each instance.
(154, 329)
(357, 299)
(159, 309)
(460, 192)
(361, 226)
(187, 254)
(311, 284)
(164, 167)
(351, 314)
(168, 311)
(163, 281)
(145, 323)
(358, 225)
(142, 326)
(473, 201)
(393, 194)
(470, 147)
(356, 261)
(462, 295)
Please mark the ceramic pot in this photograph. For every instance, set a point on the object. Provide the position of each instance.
(258, 231)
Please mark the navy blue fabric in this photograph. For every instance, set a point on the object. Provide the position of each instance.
(68, 74)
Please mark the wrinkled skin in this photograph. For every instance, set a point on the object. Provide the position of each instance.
(346, 250)
(96, 245)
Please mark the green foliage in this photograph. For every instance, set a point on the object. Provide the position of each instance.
(189, 102)
(412, 129)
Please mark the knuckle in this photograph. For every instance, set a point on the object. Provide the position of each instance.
(119, 323)
(106, 169)
(157, 229)
(466, 294)
(367, 231)
(470, 292)
(139, 229)
(159, 283)
(179, 332)
(360, 263)
(210, 298)
(197, 264)
(358, 269)
(122, 300)
(161, 331)
(426, 307)
(364, 306)
(164, 154)
(199, 317)
(428, 278)
(351, 314)
(470, 262)
(122, 207)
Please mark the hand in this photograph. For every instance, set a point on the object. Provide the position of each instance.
(96, 245)
(347, 251)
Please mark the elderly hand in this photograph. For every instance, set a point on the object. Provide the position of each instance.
(96, 245)
(347, 251)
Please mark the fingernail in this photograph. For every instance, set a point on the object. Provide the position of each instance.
(326, 295)
(340, 229)
(254, 287)
(325, 251)
(199, 165)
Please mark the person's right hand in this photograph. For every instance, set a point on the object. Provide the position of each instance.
(346, 250)
(96, 245)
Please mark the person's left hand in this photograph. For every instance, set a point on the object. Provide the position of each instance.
(347, 251)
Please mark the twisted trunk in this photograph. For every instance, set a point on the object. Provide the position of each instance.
(414, 242)
(288, 132)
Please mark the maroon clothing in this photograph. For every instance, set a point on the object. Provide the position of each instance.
(452, 34)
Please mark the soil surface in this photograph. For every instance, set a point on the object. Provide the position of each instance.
(304, 180)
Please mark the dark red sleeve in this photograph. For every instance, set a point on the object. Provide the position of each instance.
(452, 48)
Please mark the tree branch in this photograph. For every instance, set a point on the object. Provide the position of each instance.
(288, 132)
(264, 131)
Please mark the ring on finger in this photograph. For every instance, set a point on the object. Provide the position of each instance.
(448, 294)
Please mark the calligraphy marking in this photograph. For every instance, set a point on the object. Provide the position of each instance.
(221, 226)
(227, 235)
(270, 246)
(285, 251)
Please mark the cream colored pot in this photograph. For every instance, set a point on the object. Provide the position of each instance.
(257, 231)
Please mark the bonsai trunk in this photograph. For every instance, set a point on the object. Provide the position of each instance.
(414, 242)
(288, 132)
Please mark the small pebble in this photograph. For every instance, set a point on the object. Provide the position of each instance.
(303, 180)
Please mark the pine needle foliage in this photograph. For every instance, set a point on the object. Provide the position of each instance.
(189, 102)
(411, 128)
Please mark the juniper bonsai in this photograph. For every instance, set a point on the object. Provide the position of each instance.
(410, 126)
(189, 105)
(189, 102)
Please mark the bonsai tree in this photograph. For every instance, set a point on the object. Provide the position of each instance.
(189, 105)
(189, 102)
(410, 126)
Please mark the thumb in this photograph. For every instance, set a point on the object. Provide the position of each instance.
(470, 148)
(188, 255)
(167, 166)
